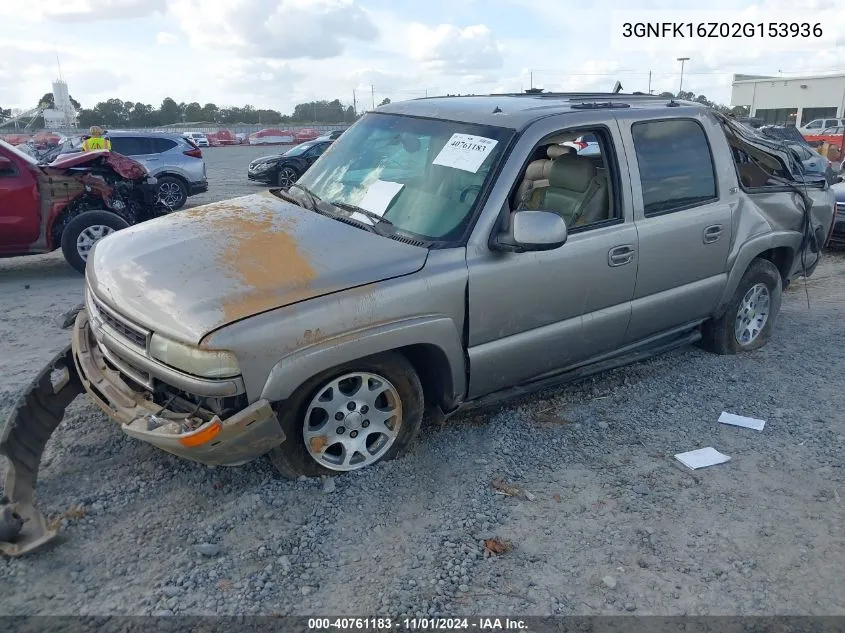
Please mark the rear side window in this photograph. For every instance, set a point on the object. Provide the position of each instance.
(131, 145)
(675, 164)
(161, 145)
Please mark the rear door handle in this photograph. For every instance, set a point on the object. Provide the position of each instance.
(712, 233)
(620, 255)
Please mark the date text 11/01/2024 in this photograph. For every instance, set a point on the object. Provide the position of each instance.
(415, 624)
(721, 29)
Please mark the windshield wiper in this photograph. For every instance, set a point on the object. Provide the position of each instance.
(313, 198)
(369, 214)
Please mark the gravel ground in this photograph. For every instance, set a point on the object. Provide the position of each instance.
(226, 168)
(603, 520)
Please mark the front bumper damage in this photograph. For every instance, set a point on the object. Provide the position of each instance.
(249, 433)
(81, 367)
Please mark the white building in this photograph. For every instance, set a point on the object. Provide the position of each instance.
(790, 100)
(63, 115)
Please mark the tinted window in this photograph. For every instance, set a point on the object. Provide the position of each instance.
(131, 145)
(161, 145)
(676, 167)
(316, 150)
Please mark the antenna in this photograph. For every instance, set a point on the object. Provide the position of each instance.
(58, 63)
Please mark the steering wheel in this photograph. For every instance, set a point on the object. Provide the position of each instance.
(467, 190)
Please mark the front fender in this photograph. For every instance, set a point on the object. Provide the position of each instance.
(751, 249)
(438, 331)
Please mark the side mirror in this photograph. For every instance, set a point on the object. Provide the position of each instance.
(5, 164)
(533, 231)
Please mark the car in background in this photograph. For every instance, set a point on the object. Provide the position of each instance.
(586, 145)
(271, 136)
(813, 162)
(837, 235)
(817, 125)
(831, 135)
(285, 169)
(330, 136)
(306, 134)
(199, 138)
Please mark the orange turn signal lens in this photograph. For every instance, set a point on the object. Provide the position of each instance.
(203, 435)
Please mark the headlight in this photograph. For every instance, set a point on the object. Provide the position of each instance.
(261, 166)
(206, 363)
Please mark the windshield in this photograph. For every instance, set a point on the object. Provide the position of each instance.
(422, 175)
(299, 149)
(31, 160)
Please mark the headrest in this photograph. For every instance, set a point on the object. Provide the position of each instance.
(572, 172)
(538, 169)
(555, 151)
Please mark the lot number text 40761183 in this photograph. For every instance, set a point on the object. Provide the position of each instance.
(416, 624)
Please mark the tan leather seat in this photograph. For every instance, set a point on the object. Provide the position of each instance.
(536, 179)
(576, 191)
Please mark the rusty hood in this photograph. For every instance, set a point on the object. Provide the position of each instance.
(191, 272)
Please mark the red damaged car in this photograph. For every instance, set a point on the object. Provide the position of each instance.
(70, 203)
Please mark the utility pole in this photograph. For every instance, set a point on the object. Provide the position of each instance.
(681, 86)
(354, 103)
(531, 78)
(373, 91)
(649, 82)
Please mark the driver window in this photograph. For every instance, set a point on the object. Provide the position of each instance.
(571, 173)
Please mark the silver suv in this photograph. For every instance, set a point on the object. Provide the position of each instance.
(173, 160)
(444, 253)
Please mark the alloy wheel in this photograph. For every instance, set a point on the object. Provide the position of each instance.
(753, 314)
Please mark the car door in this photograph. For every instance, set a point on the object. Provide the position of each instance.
(683, 210)
(20, 218)
(534, 313)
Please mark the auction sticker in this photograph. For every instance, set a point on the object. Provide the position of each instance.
(465, 151)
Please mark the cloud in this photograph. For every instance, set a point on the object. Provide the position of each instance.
(265, 79)
(166, 38)
(83, 10)
(276, 29)
(452, 50)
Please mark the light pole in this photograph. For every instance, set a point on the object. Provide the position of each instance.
(682, 60)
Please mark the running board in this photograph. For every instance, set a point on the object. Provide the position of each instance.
(584, 371)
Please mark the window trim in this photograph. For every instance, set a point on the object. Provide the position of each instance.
(614, 180)
(689, 205)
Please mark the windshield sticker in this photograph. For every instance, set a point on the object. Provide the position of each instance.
(465, 151)
(378, 197)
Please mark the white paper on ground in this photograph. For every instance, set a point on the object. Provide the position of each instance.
(378, 197)
(702, 458)
(741, 420)
(465, 151)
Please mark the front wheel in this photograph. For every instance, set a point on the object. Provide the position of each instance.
(172, 192)
(747, 323)
(351, 417)
(85, 230)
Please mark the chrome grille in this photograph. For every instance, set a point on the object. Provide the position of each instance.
(840, 208)
(122, 328)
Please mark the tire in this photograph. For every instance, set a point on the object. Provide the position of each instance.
(172, 192)
(83, 231)
(294, 457)
(287, 176)
(761, 284)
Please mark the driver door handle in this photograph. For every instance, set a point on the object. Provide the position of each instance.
(712, 234)
(620, 255)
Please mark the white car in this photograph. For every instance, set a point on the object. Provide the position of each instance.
(816, 126)
(198, 137)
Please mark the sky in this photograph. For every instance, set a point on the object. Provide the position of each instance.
(277, 53)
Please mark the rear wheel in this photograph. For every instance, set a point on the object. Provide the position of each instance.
(351, 417)
(172, 192)
(85, 230)
(747, 323)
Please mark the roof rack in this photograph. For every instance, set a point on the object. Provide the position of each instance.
(577, 95)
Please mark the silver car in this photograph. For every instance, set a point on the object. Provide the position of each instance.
(173, 160)
(443, 254)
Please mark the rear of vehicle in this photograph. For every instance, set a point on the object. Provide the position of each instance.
(175, 161)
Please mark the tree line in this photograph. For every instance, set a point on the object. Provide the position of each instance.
(118, 113)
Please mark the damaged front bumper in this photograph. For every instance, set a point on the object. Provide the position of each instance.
(240, 438)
